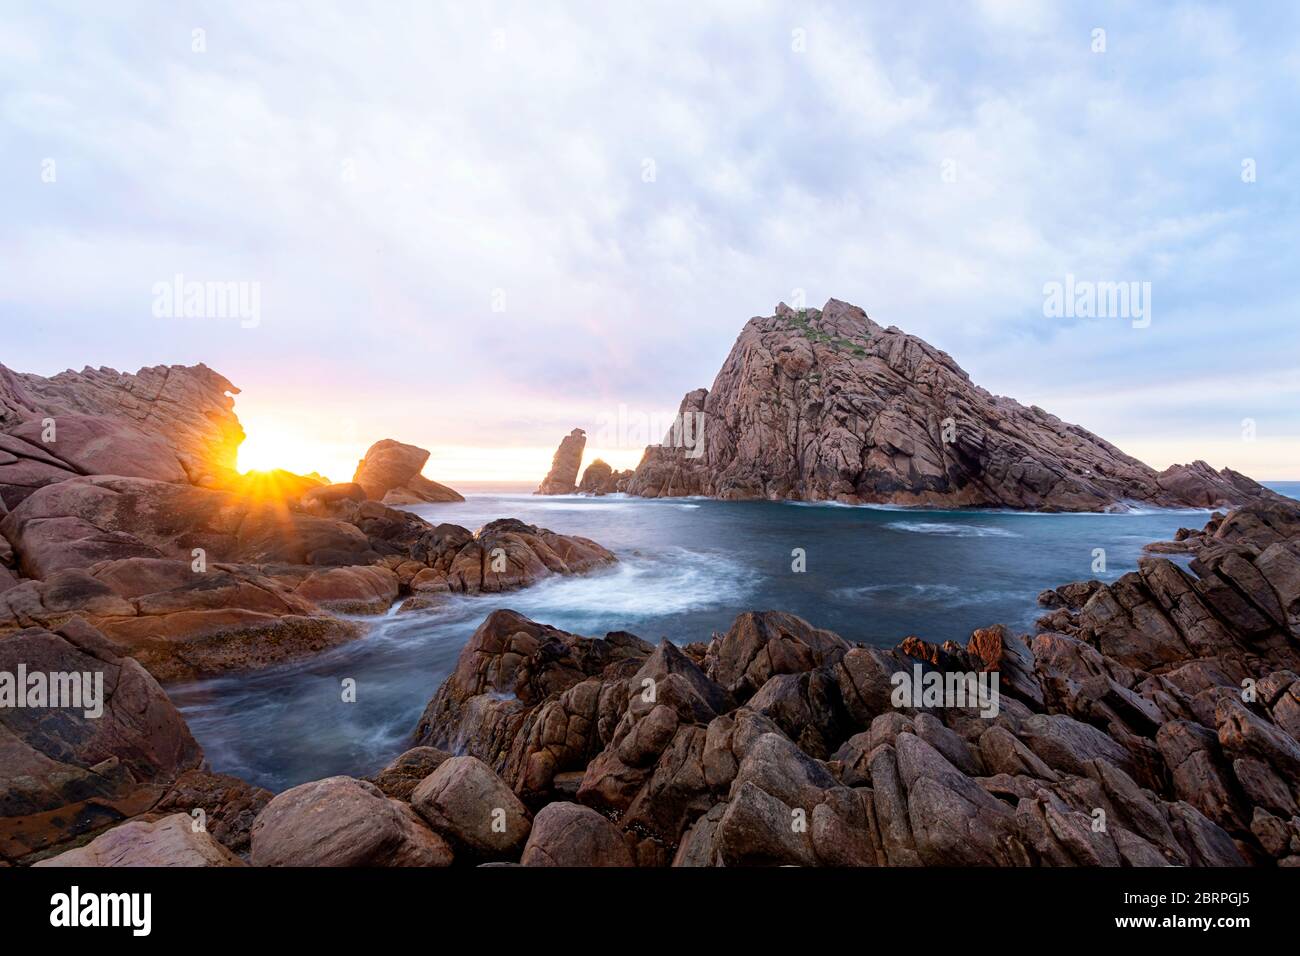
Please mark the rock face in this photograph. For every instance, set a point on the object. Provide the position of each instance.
(390, 472)
(64, 773)
(599, 478)
(827, 405)
(171, 841)
(563, 477)
(113, 415)
(1149, 722)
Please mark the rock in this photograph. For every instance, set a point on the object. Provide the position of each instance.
(324, 500)
(230, 806)
(953, 820)
(97, 445)
(757, 829)
(1066, 744)
(351, 590)
(194, 581)
(566, 834)
(391, 468)
(600, 479)
(469, 804)
(171, 841)
(400, 778)
(532, 701)
(64, 774)
(340, 821)
(189, 409)
(761, 645)
(826, 405)
(563, 476)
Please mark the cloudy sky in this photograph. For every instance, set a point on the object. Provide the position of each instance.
(476, 226)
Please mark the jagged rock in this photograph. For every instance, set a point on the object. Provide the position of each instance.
(340, 821)
(531, 700)
(404, 773)
(1091, 759)
(171, 841)
(230, 806)
(189, 409)
(390, 471)
(563, 476)
(566, 834)
(599, 478)
(62, 773)
(193, 581)
(827, 405)
(758, 829)
(954, 821)
(761, 644)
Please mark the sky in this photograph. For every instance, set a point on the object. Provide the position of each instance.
(475, 227)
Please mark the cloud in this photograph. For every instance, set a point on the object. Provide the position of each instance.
(450, 214)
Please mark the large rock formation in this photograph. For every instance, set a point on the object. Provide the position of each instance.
(119, 503)
(827, 405)
(1154, 721)
(192, 581)
(599, 478)
(114, 422)
(390, 473)
(563, 477)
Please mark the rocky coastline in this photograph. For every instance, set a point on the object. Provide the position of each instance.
(1153, 721)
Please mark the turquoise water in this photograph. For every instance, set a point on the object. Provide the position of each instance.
(686, 569)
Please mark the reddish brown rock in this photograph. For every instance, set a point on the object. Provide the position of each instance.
(390, 471)
(189, 408)
(563, 477)
(470, 805)
(826, 405)
(567, 834)
(599, 478)
(63, 773)
(172, 841)
(340, 821)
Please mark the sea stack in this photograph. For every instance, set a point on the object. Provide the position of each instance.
(826, 405)
(562, 479)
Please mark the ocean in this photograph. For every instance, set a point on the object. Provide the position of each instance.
(686, 568)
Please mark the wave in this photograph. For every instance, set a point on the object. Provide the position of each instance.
(641, 586)
(951, 530)
(904, 593)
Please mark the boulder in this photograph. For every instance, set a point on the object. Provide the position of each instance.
(470, 805)
(174, 840)
(566, 834)
(63, 773)
(390, 472)
(340, 821)
(563, 476)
